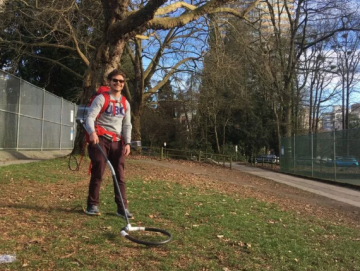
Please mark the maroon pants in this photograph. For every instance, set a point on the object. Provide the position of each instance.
(114, 152)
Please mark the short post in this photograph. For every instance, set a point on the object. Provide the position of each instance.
(230, 162)
(236, 151)
(161, 153)
(199, 156)
(165, 149)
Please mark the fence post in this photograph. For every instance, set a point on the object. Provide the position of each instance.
(74, 127)
(61, 121)
(199, 156)
(18, 123)
(42, 121)
(161, 153)
(312, 154)
(294, 166)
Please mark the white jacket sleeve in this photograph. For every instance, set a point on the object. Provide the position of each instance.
(126, 125)
(93, 112)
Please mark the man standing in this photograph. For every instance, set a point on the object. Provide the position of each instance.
(112, 131)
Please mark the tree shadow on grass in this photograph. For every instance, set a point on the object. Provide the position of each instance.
(75, 209)
(112, 236)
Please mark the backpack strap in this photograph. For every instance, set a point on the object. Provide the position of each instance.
(106, 103)
(123, 102)
(108, 100)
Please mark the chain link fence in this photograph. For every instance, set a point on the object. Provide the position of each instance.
(32, 118)
(332, 156)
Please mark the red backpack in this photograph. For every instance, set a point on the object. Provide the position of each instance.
(100, 131)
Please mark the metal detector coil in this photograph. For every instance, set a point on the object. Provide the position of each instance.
(128, 228)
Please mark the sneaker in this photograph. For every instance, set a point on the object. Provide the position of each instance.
(121, 213)
(92, 210)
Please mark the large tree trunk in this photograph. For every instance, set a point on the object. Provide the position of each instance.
(278, 130)
(138, 100)
(106, 59)
(288, 120)
(136, 131)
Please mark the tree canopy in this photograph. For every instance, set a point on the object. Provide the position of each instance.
(257, 73)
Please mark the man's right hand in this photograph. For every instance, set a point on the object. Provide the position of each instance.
(94, 138)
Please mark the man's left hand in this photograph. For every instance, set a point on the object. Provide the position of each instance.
(127, 150)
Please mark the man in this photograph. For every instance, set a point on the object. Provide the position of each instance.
(112, 131)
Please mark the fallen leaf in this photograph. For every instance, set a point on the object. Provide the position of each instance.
(67, 256)
(36, 241)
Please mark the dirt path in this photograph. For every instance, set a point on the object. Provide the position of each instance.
(246, 185)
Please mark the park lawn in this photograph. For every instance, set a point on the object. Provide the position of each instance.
(42, 223)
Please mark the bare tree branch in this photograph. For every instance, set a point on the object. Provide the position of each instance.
(154, 89)
(55, 62)
(74, 38)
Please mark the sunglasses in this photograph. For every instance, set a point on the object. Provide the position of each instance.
(118, 81)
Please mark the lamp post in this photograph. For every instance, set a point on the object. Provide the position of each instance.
(165, 148)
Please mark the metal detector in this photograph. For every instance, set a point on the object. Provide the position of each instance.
(128, 228)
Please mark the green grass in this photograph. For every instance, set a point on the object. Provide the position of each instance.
(44, 171)
(211, 230)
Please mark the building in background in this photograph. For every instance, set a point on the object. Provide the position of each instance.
(263, 12)
(355, 109)
(333, 120)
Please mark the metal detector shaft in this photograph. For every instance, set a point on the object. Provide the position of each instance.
(116, 185)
